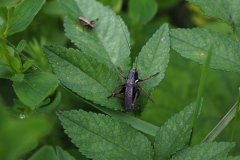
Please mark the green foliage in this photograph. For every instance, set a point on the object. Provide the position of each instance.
(100, 137)
(206, 150)
(142, 10)
(63, 155)
(46, 152)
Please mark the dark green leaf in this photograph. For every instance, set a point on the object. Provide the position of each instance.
(108, 41)
(194, 44)
(154, 58)
(5, 72)
(206, 150)
(172, 137)
(101, 137)
(35, 88)
(142, 10)
(23, 15)
(46, 152)
(84, 75)
(63, 155)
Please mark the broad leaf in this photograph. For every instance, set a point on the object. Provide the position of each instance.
(35, 88)
(154, 58)
(227, 11)
(84, 75)
(108, 41)
(206, 150)
(194, 44)
(100, 137)
(63, 155)
(23, 15)
(142, 10)
(174, 134)
(5, 2)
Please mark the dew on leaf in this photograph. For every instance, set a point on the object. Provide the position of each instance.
(22, 116)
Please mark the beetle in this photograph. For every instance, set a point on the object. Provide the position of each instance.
(130, 88)
(88, 24)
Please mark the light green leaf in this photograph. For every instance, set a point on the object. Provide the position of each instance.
(142, 10)
(100, 137)
(23, 15)
(46, 152)
(227, 11)
(63, 155)
(84, 75)
(108, 41)
(205, 150)
(26, 65)
(35, 88)
(174, 134)
(194, 44)
(21, 46)
(5, 2)
(17, 77)
(153, 58)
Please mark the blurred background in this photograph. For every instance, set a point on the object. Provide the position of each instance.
(179, 86)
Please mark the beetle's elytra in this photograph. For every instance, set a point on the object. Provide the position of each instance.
(130, 88)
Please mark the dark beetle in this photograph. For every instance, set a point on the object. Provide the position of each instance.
(130, 89)
(86, 23)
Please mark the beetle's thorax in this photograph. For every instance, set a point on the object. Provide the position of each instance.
(132, 76)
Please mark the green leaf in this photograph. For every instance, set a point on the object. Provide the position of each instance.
(46, 152)
(63, 155)
(26, 65)
(21, 46)
(108, 41)
(17, 77)
(142, 10)
(153, 58)
(227, 11)
(83, 74)
(35, 88)
(5, 2)
(23, 15)
(100, 137)
(174, 134)
(5, 72)
(206, 150)
(16, 64)
(19, 135)
(194, 44)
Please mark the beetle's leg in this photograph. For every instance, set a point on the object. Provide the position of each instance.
(146, 93)
(144, 79)
(135, 97)
(121, 74)
(118, 92)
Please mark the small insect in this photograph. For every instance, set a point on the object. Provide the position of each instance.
(130, 88)
(88, 24)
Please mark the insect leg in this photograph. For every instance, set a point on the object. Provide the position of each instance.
(135, 97)
(121, 90)
(121, 74)
(146, 93)
(144, 79)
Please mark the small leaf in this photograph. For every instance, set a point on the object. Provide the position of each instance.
(174, 134)
(23, 15)
(63, 155)
(17, 77)
(26, 65)
(154, 58)
(35, 88)
(205, 150)
(100, 137)
(21, 46)
(16, 64)
(5, 72)
(46, 152)
(194, 44)
(84, 75)
(108, 41)
(142, 10)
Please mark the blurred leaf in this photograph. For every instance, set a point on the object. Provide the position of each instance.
(15, 64)
(5, 2)
(63, 155)
(26, 65)
(108, 41)
(19, 135)
(206, 150)
(166, 4)
(194, 43)
(35, 88)
(23, 15)
(142, 10)
(5, 72)
(100, 137)
(228, 11)
(17, 77)
(83, 75)
(21, 46)
(174, 134)
(115, 5)
(46, 153)
(153, 58)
